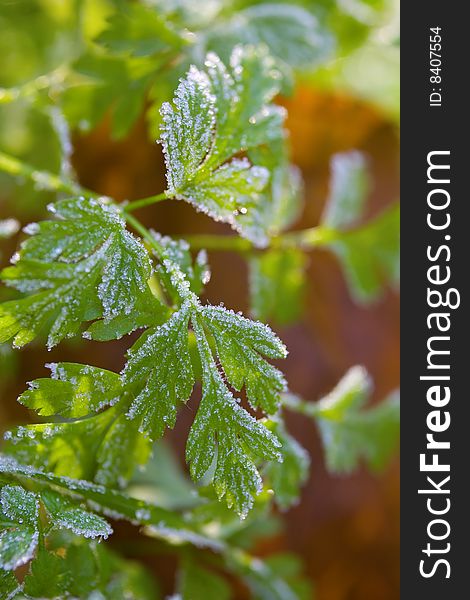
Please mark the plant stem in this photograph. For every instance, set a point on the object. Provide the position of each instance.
(144, 232)
(42, 179)
(305, 239)
(136, 204)
(208, 241)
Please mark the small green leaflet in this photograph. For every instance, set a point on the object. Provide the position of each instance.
(240, 344)
(104, 446)
(197, 272)
(65, 514)
(83, 266)
(160, 374)
(19, 535)
(288, 476)
(47, 577)
(73, 391)
(217, 114)
(277, 285)
(351, 433)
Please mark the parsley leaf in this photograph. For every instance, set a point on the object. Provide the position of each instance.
(65, 514)
(240, 344)
(160, 374)
(104, 446)
(349, 432)
(217, 114)
(224, 432)
(83, 266)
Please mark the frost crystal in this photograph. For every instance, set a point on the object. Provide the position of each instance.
(215, 116)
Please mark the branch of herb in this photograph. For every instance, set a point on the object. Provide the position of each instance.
(305, 239)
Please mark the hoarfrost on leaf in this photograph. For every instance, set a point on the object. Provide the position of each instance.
(80, 267)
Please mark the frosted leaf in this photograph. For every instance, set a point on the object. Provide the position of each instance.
(19, 505)
(187, 126)
(66, 515)
(105, 447)
(19, 512)
(232, 187)
(224, 432)
(241, 344)
(216, 115)
(83, 266)
(160, 374)
(73, 390)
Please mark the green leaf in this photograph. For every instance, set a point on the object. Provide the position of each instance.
(165, 524)
(224, 436)
(103, 83)
(217, 114)
(348, 190)
(370, 255)
(292, 34)
(104, 446)
(19, 513)
(351, 433)
(196, 582)
(240, 345)
(277, 285)
(73, 391)
(160, 374)
(288, 476)
(67, 515)
(138, 30)
(83, 266)
(48, 576)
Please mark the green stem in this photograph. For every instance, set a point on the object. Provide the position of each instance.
(230, 243)
(42, 179)
(296, 404)
(305, 239)
(33, 87)
(144, 232)
(136, 204)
